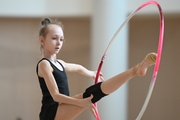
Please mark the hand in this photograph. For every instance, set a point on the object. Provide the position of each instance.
(100, 78)
(87, 104)
(94, 111)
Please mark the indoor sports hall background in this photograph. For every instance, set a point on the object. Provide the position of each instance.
(89, 26)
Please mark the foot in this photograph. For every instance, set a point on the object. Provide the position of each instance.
(141, 68)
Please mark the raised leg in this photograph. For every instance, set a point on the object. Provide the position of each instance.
(69, 112)
(140, 69)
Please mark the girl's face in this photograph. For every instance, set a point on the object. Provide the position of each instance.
(53, 40)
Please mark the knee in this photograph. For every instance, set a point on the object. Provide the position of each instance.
(96, 91)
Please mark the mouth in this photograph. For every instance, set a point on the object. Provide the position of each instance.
(57, 48)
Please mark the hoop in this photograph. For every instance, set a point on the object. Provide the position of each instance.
(158, 58)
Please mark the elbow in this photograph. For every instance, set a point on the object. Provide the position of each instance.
(80, 69)
(56, 97)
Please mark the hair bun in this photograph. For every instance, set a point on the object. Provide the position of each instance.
(45, 22)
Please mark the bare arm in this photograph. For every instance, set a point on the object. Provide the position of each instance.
(45, 70)
(71, 67)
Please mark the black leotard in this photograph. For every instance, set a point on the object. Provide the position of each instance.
(49, 106)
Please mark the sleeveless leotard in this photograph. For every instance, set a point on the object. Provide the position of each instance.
(49, 106)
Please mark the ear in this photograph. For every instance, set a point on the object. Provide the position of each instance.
(41, 40)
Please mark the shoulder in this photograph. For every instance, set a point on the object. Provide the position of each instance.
(44, 67)
(43, 64)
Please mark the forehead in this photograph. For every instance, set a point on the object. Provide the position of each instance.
(55, 29)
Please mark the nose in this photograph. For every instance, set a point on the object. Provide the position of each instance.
(58, 42)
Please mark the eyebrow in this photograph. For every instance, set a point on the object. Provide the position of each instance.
(61, 37)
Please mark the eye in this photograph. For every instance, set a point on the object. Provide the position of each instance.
(54, 38)
(61, 39)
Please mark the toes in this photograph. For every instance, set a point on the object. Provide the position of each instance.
(151, 58)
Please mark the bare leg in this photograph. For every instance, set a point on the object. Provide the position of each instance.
(67, 111)
(140, 69)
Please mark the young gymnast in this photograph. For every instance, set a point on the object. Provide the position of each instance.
(51, 72)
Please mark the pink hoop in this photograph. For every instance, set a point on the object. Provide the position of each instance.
(159, 51)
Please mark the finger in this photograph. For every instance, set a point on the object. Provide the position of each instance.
(94, 111)
(91, 96)
(101, 74)
(102, 79)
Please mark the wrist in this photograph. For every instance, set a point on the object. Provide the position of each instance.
(93, 74)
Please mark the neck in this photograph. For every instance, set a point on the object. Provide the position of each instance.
(50, 57)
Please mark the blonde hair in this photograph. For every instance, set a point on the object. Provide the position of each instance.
(44, 29)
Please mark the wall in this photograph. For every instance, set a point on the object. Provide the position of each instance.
(19, 90)
(165, 101)
(41, 8)
(72, 8)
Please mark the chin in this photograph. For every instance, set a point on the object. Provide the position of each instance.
(56, 52)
